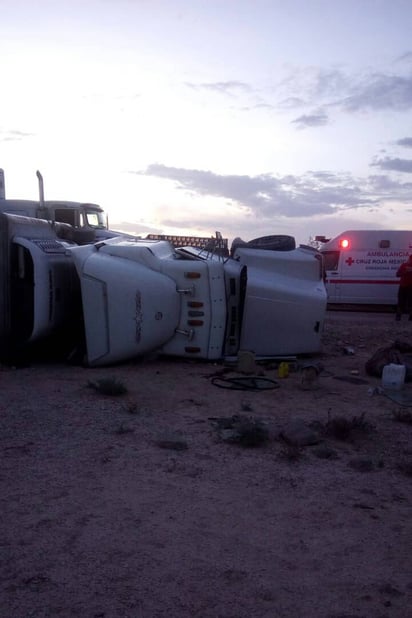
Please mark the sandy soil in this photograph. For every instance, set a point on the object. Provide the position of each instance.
(106, 514)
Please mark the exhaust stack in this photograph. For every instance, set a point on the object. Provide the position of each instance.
(2, 186)
(41, 189)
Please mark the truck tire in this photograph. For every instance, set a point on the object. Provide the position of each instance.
(83, 236)
(278, 242)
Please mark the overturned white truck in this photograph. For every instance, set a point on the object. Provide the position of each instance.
(143, 295)
(120, 298)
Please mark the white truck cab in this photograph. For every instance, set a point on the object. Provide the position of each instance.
(77, 214)
(360, 266)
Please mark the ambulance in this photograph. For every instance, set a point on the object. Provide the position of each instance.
(360, 266)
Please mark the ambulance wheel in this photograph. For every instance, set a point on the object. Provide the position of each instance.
(279, 242)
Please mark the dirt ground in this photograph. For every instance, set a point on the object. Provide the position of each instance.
(137, 506)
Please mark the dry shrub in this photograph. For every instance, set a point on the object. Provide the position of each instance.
(403, 416)
(342, 428)
(108, 386)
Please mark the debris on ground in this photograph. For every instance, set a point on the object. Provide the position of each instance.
(241, 429)
(399, 353)
(297, 433)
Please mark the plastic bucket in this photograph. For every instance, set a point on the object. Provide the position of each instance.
(393, 377)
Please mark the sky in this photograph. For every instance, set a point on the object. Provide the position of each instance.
(247, 117)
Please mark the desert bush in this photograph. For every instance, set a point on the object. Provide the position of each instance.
(246, 407)
(123, 429)
(403, 416)
(342, 428)
(108, 386)
(291, 452)
(405, 467)
(131, 407)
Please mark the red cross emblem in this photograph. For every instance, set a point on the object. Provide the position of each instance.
(349, 261)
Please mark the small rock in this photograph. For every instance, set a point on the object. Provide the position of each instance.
(349, 350)
(391, 590)
(325, 452)
(229, 435)
(362, 465)
(405, 467)
(172, 441)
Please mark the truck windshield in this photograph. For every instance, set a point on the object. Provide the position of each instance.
(95, 219)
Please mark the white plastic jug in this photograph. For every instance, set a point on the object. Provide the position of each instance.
(393, 377)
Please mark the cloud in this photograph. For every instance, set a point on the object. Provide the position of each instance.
(394, 164)
(405, 141)
(316, 119)
(388, 189)
(335, 89)
(229, 88)
(318, 201)
(318, 93)
(291, 103)
(135, 228)
(407, 56)
(380, 91)
(330, 83)
(266, 196)
(261, 106)
(12, 135)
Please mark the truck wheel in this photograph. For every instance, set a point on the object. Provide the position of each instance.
(279, 242)
(83, 236)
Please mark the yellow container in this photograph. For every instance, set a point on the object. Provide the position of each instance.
(283, 370)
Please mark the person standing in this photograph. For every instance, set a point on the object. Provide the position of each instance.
(404, 273)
